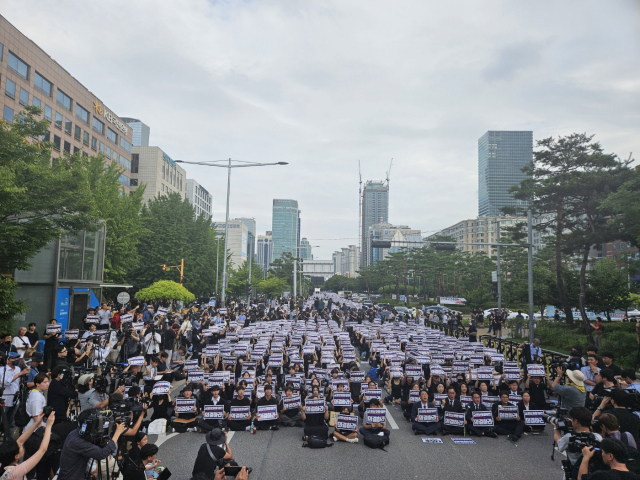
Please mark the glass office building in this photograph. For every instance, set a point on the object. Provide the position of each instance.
(140, 131)
(285, 227)
(501, 157)
(375, 209)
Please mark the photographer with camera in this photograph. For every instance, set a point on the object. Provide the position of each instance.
(616, 404)
(572, 393)
(580, 431)
(79, 447)
(11, 375)
(152, 341)
(213, 455)
(614, 455)
(129, 343)
(59, 395)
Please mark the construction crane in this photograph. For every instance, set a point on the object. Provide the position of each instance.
(389, 171)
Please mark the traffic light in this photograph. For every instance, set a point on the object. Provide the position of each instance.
(445, 246)
(380, 244)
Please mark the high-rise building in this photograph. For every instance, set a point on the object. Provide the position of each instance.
(237, 241)
(79, 120)
(478, 230)
(156, 169)
(400, 237)
(375, 209)
(345, 261)
(305, 249)
(140, 130)
(200, 198)
(501, 157)
(251, 239)
(285, 228)
(264, 251)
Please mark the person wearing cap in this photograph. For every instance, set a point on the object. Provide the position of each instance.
(213, 454)
(572, 393)
(10, 375)
(85, 389)
(34, 365)
(137, 468)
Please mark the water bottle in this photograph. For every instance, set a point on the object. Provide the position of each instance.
(253, 427)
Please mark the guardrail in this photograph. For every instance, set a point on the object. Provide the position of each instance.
(451, 330)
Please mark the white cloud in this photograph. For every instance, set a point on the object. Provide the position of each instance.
(321, 84)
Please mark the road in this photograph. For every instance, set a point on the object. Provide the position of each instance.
(278, 455)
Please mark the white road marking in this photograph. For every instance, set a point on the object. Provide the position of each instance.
(390, 419)
(230, 436)
(163, 437)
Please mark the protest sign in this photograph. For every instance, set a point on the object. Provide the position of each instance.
(371, 393)
(161, 388)
(465, 400)
(427, 415)
(137, 325)
(93, 319)
(511, 373)
(453, 419)
(347, 422)
(533, 417)
(53, 329)
(463, 441)
(507, 412)
(341, 399)
(185, 405)
(267, 412)
(136, 361)
(439, 397)
(239, 413)
(190, 365)
(431, 440)
(357, 375)
(127, 318)
(162, 311)
(485, 373)
(314, 405)
(71, 334)
(294, 380)
(375, 415)
(196, 376)
(289, 403)
(490, 399)
(212, 350)
(414, 396)
(213, 412)
(414, 371)
(482, 419)
(535, 370)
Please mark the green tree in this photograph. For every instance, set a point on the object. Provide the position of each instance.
(624, 205)
(238, 279)
(165, 290)
(608, 287)
(282, 267)
(339, 282)
(272, 286)
(121, 212)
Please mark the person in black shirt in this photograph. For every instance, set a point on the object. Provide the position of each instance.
(422, 428)
(32, 335)
(537, 388)
(213, 454)
(58, 396)
(239, 401)
(614, 455)
(451, 404)
(607, 359)
(477, 405)
(512, 428)
(268, 399)
(136, 468)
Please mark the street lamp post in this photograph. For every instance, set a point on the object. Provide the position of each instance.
(229, 166)
(217, 259)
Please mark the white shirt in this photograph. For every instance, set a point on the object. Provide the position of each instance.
(152, 347)
(20, 344)
(35, 405)
(88, 333)
(104, 315)
(589, 375)
(10, 387)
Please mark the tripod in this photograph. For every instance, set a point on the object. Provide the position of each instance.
(105, 474)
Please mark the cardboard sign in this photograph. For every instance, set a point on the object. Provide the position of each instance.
(127, 318)
(239, 413)
(267, 412)
(427, 415)
(465, 400)
(507, 412)
(535, 370)
(136, 361)
(53, 329)
(414, 371)
(482, 419)
(71, 334)
(211, 350)
(294, 380)
(218, 378)
(431, 440)
(463, 441)
(357, 376)
(439, 397)
(453, 419)
(414, 396)
(511, 373)
(93, 319)
(485, 373)
(161, 388)
(371, 393)
(185, 405)
(375, 415)
(196, 376)
(314, 405)
(190, 365)
(347, 422)
(341, 399)
(289, 403)
(533, 417)
(213, 412)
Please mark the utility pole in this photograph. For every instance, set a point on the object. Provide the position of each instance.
(181, 267)
(530, 272)
(249, 279)
(498, 264)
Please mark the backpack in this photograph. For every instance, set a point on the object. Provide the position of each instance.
(376, 441)
(317, 442)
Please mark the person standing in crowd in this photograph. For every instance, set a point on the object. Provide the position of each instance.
(609, 427)
(50, 342)
(11, 374)
(105, 317)
(572, 393)
(580, 418)
(607, 359)
(32, 335)
(36, 400)
(59, 395)
(21, 342)
(212, 454)
(598, 333)
(519, 324)
(136, 469)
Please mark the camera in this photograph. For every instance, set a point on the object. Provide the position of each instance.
(560, 420)
(97, 428)
(47, 411)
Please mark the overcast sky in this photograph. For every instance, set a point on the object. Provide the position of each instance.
(323, 84)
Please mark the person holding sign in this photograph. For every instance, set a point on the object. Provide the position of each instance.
(525, 405)
(507, 418)
(370, 427)
(239, 424)
(267, 400)
(185, 421)
(481, 428)
(290, 409)
(453, 405)
(424, 416)
(315, 423)
(345, 420)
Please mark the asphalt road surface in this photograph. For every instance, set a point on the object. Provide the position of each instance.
(279, 455)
